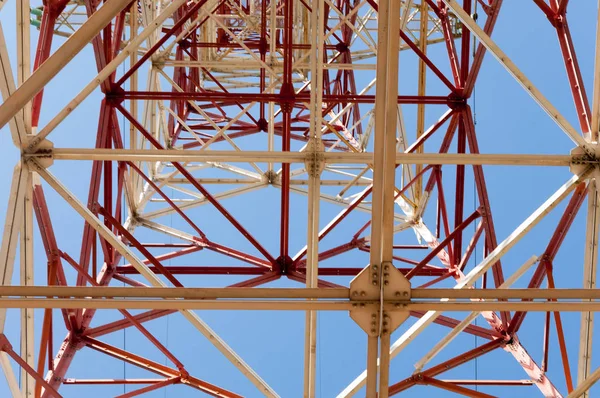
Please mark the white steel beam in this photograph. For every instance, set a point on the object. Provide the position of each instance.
(176, 155)
(379, 170)
(596, 92)
(12, 225)
(7, 87)
(9, 374)
(103, 75)
(519, 76)
(390, 113)
(144, 270)
(26, 259)
(296, 305)
(61, 57)
(583, 387)
(14, 216)
(419, 296)
(586, 330)
(24, 54)
(189, 205)
(476, 273)
(314, 166)
(442, 343)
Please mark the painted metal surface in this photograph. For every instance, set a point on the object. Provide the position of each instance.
(207, 100)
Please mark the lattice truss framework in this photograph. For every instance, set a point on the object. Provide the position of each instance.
(205, 100)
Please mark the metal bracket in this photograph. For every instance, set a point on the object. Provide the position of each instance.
(581, 160)
(43, 153)
(381, 284)
(315, 158)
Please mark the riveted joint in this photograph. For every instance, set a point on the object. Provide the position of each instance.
(158, 62)
(381, 287)
(314, 161)
(581, 160)
(41, 151)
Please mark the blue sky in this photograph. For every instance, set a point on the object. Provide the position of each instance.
(508, 121)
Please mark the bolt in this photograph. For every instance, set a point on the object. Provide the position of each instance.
(405, 294)
(387, 267)
(373, 323)
(398, 294)
(373, 316)
(375, 283)
(373, 330)
(355, 293)
(362, 305)
(363, 294)
(384, 331)
(374, 268)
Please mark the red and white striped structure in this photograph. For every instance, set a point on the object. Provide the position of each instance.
(276, 140)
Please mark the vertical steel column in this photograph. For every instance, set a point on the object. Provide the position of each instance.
(589, 282)
(596, 89)
(26, 258)
(314, 167)
(12, 225)
(382, 221)
(423, 32)
(287, 105)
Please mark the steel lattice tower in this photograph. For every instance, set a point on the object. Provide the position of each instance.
(307, 156)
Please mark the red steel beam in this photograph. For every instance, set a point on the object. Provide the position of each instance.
(442, 14)
(459, 195)
(56, 274)
(124, 323)
(567, 47)
(111, 381)
(129, 237)
(277, 98)
(488, 28)
(488, 334)
(198, 186)
(562, 8)
(155, 367)
(484, 202)
(136, 324)
(475, 215)
(8, 349)
(159, 191)
(195, 270)
(491, 382)
(230, 252)
(465, 47)
(52, 10)
(102, 141)
(466, 392)
(171, 255)
(554, 244)
(550, 14)
(445, 366)
(561, 337)
(152, 387)
(156, 47)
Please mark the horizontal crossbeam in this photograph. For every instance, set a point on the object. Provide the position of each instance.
(200, 293)
(174, 155)
(302, 305)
